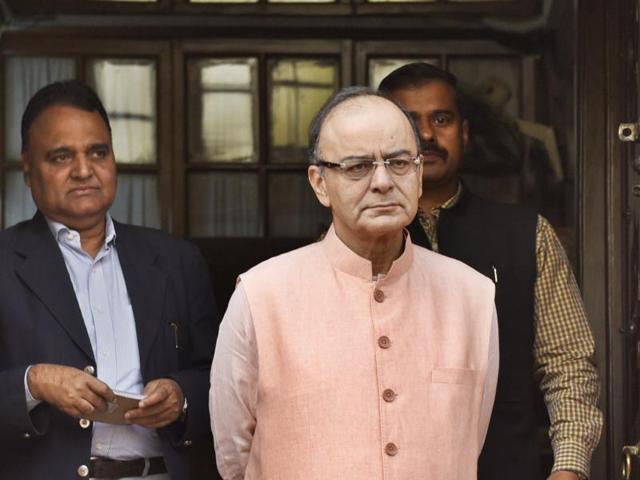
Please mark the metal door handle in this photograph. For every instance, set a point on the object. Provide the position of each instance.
(628, 452)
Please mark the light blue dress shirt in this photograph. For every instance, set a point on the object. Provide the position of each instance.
(106, 310)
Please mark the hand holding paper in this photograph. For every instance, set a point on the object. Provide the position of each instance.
(161, 406)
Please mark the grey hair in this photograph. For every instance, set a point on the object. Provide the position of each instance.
(338, 98)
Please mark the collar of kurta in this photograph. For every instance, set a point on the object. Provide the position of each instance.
(346, 260)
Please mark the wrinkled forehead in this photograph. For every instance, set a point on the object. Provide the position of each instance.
(364, 126)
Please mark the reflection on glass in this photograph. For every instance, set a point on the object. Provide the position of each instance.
(381, 67)
(299, 87)
(137, 200)
(23, 77)
(224, 205)
(223, 114)
(495, 80)
(294, 210)
(127, 89)
(18, 204)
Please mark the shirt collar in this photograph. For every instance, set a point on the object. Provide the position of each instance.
(450, 203)
(59, 230)
(346, 260)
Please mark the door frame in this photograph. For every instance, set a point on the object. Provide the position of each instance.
(604, 67)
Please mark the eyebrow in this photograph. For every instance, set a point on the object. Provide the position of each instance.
(443, 110)
(99, 146)
(393, 153)
(58, 151)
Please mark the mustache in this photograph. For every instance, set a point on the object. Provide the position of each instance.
(433, 149)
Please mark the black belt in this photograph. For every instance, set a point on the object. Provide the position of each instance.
(108, 468)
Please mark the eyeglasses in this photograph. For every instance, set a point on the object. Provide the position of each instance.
(357, 169)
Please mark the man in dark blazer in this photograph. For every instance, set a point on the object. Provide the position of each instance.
(89, 306)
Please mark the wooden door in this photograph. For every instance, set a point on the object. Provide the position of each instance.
(629, 134)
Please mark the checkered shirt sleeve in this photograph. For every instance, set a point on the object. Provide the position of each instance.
(563, 355)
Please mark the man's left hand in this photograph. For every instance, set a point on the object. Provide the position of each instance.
(161, 406)
(563, 475)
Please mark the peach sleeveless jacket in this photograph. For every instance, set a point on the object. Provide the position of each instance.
(364, 380)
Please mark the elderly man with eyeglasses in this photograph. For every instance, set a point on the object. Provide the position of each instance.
(362, 356)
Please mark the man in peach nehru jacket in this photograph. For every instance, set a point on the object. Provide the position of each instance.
(362, 356)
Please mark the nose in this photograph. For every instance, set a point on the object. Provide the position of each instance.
(427, 132)
(381, 180)
(82, 167)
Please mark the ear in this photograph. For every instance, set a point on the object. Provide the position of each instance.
(465, 133)
(317, 181)
(26, 169)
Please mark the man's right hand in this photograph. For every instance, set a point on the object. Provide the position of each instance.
(69, 389)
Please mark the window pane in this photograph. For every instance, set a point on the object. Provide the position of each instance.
(18, 204)
(294, 210)
(127, 89)
(24, 76)
(224, 205)
(495, 80)
(381, 67)
(223, 116)
(299, 87)
(137, 200)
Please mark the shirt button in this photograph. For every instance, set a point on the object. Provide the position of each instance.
(69, 236)
(89, 369)
(83, 471)
(391, 449)
(378, 295)
(389, 395)
(187, 443)
(384, 342)
(84, 423)
(26, 435)
(99, 309)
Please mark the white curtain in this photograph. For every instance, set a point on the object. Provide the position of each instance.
(127, 89)
(294, 210)
(18, 202)
(137, 200)
(224, 205)
(24, 76)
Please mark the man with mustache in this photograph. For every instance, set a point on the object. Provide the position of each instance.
(543, 328)
(89, 306)
(360, 357)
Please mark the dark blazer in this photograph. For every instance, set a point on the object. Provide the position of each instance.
(40, 322)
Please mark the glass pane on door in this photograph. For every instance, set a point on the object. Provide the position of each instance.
(222, 110)
(24, 76)
(294, 210)
(127, 88)
(298, 89)
(137, 200)
(224, 205)
(381, 67)
(18, 204)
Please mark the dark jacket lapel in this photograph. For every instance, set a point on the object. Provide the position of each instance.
(146, 285)
(43, 270)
